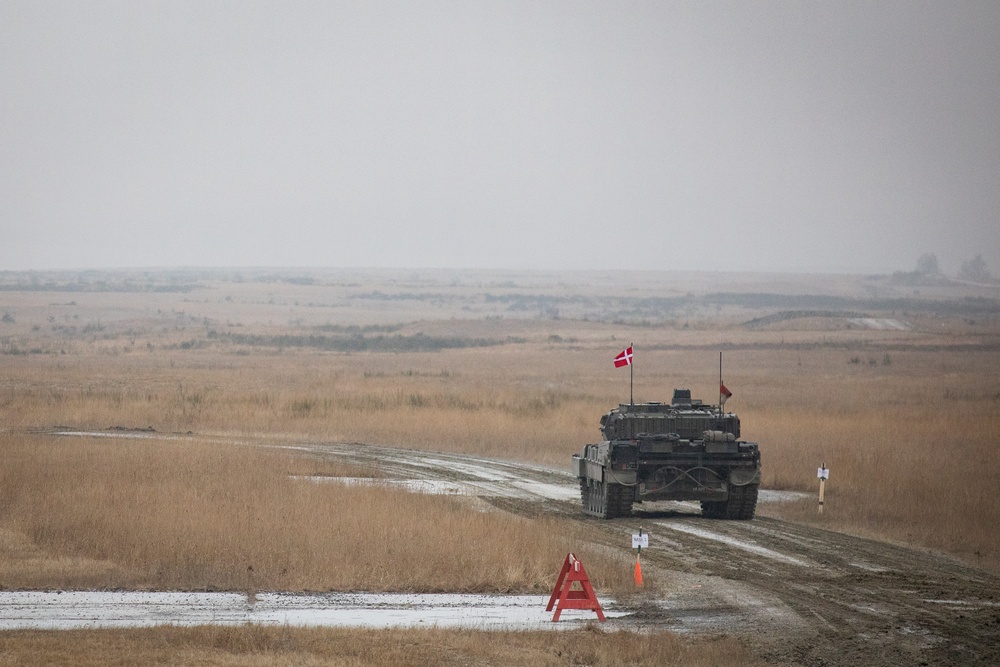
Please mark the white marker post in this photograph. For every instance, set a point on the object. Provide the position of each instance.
(824, 474)
(639, 540)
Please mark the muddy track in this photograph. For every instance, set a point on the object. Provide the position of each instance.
(798, 594)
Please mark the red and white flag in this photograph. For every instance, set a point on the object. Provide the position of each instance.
(624, 358)
(724, 393)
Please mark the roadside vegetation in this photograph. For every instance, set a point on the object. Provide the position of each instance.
(251, 646)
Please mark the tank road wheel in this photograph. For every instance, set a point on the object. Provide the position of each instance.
(742, 504)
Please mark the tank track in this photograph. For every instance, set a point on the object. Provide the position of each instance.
(605, 501)
(742, 504)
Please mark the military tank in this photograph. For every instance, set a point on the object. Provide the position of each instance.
(682, 450)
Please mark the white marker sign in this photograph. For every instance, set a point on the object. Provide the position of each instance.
(640, 540)
(823, 473)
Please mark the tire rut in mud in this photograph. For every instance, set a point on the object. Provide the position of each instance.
(867, 602)
(859, 601)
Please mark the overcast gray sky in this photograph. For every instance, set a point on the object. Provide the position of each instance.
(840, 136)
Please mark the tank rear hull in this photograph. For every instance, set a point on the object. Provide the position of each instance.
(656, 451)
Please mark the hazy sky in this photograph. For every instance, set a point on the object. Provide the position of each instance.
(843, 136)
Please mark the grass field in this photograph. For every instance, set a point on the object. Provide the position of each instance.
(251, 646)
(513, 367)
(190, 516)
(910, 443)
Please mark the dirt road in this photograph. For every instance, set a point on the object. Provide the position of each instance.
(798, 594)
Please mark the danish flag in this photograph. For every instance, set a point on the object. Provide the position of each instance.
(724, 393)
(624, 358)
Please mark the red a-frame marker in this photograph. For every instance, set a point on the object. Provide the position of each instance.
(573, 570)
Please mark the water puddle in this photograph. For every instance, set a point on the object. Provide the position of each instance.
(46, 610)
(430, 486)
(125, 435)
(779, 496)
(551, 491)
(512, 489)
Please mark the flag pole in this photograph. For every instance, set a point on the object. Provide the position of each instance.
(631, 363)
(720, 383)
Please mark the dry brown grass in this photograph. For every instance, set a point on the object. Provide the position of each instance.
(912, 445)
(906, 421)
(254, 645)
(129, 514)
(475, 401)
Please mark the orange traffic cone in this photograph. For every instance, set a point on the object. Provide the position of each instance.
(638, 573)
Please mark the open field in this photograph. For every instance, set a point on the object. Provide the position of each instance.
(513, 366)
(252, 646)
(195, 516)
(791, 592)
(492, 364)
